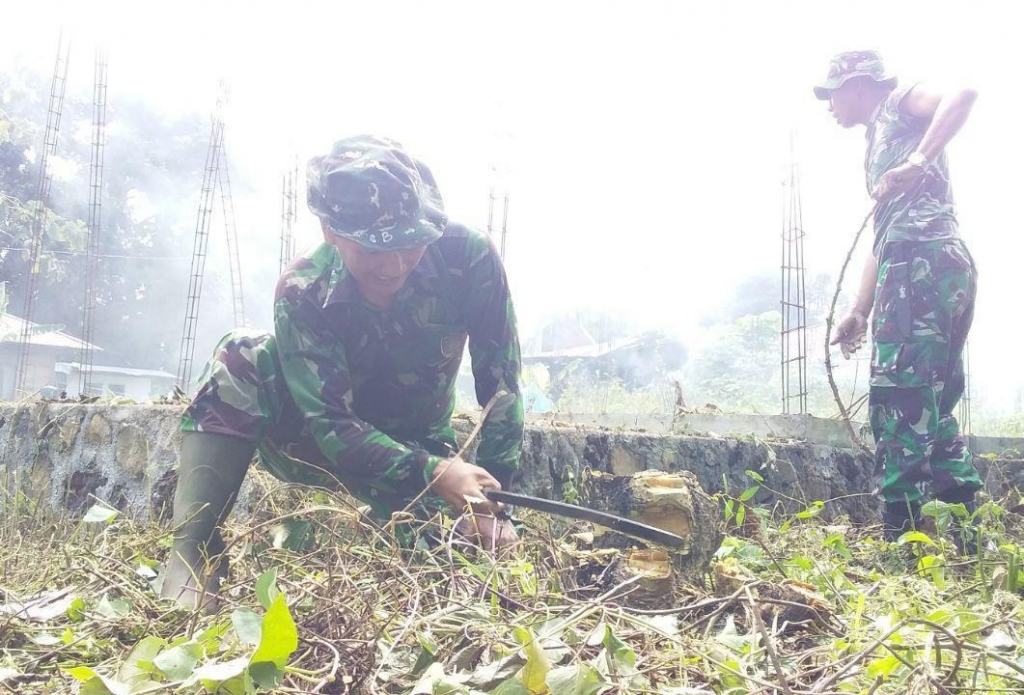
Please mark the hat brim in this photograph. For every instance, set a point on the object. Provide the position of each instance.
(824, 90)
(423, 233)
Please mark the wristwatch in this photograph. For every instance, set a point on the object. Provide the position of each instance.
(918, 160)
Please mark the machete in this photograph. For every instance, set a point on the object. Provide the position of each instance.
(619, 524)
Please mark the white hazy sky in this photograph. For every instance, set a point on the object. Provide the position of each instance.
(642, 143)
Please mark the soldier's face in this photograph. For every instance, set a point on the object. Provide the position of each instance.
(379, 274)
(844, 104)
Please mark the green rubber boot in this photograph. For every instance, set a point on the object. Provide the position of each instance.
(211, 471)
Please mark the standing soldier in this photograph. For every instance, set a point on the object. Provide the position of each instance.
(919, 283)
(356, 385)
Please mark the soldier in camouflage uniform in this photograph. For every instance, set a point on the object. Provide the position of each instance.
(355, 388)
(919, 284)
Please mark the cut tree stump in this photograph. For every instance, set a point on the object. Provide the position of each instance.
(675, 502)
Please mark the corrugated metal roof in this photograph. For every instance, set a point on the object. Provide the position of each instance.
(11, 328)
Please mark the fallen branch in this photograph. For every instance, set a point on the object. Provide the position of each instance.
(828, 340)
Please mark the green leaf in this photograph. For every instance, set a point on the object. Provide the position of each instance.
(622, 654)
(112, 609)
(99, 514)
(266, 588)
(214, 673)
(741, 515)
(579, 679)
(177, 662)
(754, 475)
(596, 636)
(76, 611)
(915, 537)
(814, 510)
(248, 626)
(934, 566)
(138, 666)
(280, 638)
(884, 667)
(749, 492)
(534, 674)
(266, 675)
(95, 684)
(513, 686)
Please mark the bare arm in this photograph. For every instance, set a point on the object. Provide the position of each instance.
(948, 113)
(866, 292)
(853, 329)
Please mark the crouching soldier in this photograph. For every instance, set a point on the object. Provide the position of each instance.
(356, 385)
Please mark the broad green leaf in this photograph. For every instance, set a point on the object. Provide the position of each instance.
(754, 475)
(534, 674)
(622, 654)
(248, 626)
(596, 636)
(138, 665)
(99, 514)
(95, 684)
(915, 537)
(513, 686)
(215, 672)
(266, 588)
(934, 566)
(884, 667)
(749, 492)
(266, 675)
(113, 608)
(177, 662)
(279, 638)
(578, 679)
(741, 515)
(82, 673)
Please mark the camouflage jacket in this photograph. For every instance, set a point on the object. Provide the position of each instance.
(373, 382)
(925, 213)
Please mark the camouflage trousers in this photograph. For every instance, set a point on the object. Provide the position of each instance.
(924, 306)
(242, 393)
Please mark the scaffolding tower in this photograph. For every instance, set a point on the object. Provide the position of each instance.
(794, 298)
(289, 211)
(99, 139)
(231, 233)
(201, 241)
(53, 116)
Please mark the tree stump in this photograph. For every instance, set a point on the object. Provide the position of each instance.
(675, 502)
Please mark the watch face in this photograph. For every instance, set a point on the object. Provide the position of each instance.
(917, 159)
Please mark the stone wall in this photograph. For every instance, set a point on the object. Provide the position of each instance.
(64, 455)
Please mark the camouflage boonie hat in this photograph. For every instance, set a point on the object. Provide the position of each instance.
(370, 190)
(852, 64)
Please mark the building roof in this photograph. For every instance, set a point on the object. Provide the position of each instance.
(68, 367)
(11, 328)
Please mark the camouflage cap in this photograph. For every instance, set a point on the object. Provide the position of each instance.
(853, 64)
(370, 190)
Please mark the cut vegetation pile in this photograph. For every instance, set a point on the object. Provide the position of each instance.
(319, 600)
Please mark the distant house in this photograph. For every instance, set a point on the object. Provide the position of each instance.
(48, 345)
(137, 384)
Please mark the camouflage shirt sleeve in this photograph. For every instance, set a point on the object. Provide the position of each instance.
(316, 371)
(494, 350)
